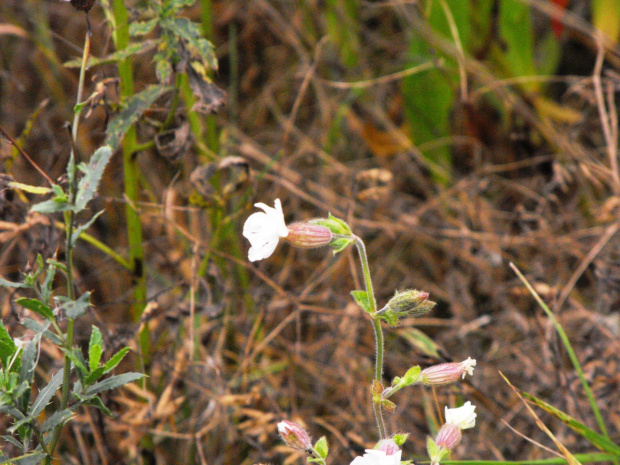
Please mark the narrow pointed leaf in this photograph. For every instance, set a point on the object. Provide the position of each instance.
(112, 382)
(36, 306)
(46, 394)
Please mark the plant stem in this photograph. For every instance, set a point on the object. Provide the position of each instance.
(130, 169)
(376, 325)
(69, 223)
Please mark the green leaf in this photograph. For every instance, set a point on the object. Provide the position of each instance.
(46, 394)
(94, 375)
(321, 447)
(115, 360)
(515, 28)
(36, 306)
(28, 459)
(5, 283)
(98, 403)
(74, 308)
(58, 203)
(78, 360)
(400, 438)
(335, 225)
(7, 346)
(95, 348)
(431, 448)
(58, 418)
(596, 439)
(135, 108)
(412, 375)
(338, 245)
(84, 227)
(112, 382)
(26, 373)
(141, 28)
(87, 188)
(46, 288)
(361, 298)
(420, 341)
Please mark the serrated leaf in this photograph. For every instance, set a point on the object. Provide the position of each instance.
(36, 306)
(28, 459)
(95, 348)
(112, 382)
(89, 183)
(134, 109)
(46, 394)
(58, 418)
(361, 298)
(26, 373)
(141, 28)
(321, 447)
(115, 360)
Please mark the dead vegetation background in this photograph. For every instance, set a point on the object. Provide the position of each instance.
(525, 183)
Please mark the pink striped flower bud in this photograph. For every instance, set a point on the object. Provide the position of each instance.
(449, 436)
(388, 446)
(294, 435)
(308, 235)
(446, 373)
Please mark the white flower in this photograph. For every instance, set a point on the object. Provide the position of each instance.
(377, 457)
(263, 230)
(468, 366)
(464, 417)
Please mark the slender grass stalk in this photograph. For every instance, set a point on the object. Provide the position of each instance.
(130, 169)
(569, 350)
(378, 331)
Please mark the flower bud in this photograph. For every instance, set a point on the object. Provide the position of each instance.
(409, 303)
(446, 373)
(294, 435)
(388, 446)
(449, 436)
(308, 235)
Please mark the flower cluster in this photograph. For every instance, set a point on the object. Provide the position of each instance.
(264, 230)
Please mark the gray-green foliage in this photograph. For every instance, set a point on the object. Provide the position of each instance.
(32, 435)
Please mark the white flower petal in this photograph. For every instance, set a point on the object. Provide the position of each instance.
(464, 417)
(377, 457)
(263, 230)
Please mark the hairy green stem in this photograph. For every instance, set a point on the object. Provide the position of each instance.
(378, 331)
